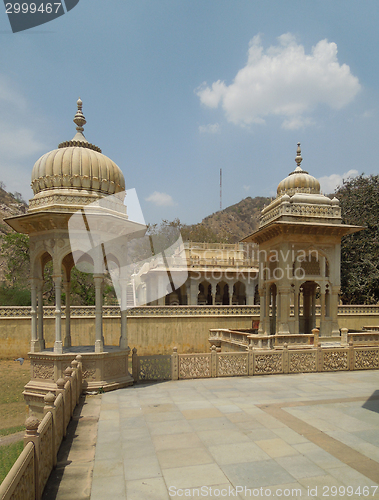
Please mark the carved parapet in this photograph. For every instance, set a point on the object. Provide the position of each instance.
(195, 366)
(230, 365)
(302, 362)
(366, 359)
(268, 363)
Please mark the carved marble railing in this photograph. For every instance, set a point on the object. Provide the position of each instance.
(146, 311)
(245, 338)
(364, 338)
(28, 476)
(256, 362)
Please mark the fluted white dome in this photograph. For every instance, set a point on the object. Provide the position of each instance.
(77, 165)
(298, 181)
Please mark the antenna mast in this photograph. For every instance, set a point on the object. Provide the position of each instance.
(220, 188)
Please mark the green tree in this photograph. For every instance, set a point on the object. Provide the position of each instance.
(14, 251)
(359, 200)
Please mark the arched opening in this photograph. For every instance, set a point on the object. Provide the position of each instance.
(239, 294)
(309, 296)
(204, 297)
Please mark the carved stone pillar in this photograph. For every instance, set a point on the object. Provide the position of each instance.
(262, 310)
(67, 339)
(58, 345)
(40, 315)
(334, 310)
(323, 310)
(283, 310)
(124, 333)
(296, 307)
(313, 308)
(99, 343)
(34, 347)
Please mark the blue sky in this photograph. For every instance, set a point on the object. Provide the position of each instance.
(174, 90)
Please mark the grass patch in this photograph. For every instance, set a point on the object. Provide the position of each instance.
(13, 377)
(8, 455)
(12, 430)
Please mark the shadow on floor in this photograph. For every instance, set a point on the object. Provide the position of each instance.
(372, 403)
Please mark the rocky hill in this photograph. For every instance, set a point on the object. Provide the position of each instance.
(237, 221)
(10, 204)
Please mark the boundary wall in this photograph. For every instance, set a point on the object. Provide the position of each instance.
(151, 329)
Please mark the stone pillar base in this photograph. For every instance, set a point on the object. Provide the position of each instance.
(37, 345)
(99, 346)
(58, 347)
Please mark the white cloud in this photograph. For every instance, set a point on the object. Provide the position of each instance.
(161, 199)
(17, 143)
(211, 128)
(329, 183)
(246, 188)
(283, 81)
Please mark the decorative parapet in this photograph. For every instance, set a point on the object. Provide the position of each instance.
(232, 364)
(194, 366)
(363, 338)
(245, 338)
(154, 311)
(28, 476)
(145, 311)
(153, 368)
(301, 210)
(288, 359)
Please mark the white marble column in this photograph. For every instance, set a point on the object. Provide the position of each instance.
(99, 343)
(296, 308)
(322, 320)
(124, 332)
(58, 345)
(262, 310)
(67, 339)
(283, 310)
(40, 315)
(33, 290)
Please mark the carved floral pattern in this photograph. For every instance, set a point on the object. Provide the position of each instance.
(195, 366)
(268, 363)
(302, 362)
(154, 367)
(334, 361)
(89, 370)
(365, 360)
(232, 364)
(43, 370)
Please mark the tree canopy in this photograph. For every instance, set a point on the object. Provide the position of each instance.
(359, 200)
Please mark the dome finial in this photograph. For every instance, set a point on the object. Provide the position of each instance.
(298, 158)
(79, 119)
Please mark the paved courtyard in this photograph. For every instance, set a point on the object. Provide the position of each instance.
(306, 435)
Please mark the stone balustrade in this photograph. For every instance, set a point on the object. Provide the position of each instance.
(28, 476)
(251, 362)
(114, 311)
(241, 339)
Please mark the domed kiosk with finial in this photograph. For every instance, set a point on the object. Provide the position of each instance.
(76, 178)
(299, 239)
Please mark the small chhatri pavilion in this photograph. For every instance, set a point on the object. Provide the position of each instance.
(75, 178)
(299, 240)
